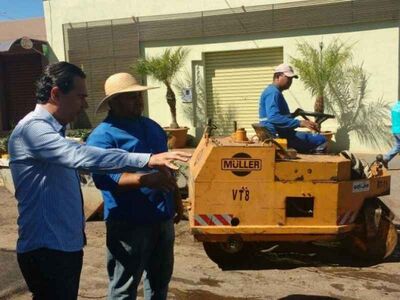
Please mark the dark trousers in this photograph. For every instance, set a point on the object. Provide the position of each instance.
(305, 142)
(51, 274)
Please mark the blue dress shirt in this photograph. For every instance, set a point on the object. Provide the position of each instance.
(141, 205)
(274, 112)
(44, 169)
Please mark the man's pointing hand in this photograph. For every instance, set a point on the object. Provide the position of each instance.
(167, 159)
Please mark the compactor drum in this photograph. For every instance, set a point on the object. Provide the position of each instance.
(246, 194)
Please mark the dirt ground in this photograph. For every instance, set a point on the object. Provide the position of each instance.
(322, 273)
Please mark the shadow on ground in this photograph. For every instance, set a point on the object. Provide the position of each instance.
(307, 255)
(307, 297)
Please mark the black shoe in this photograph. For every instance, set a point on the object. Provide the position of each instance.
(385, 163)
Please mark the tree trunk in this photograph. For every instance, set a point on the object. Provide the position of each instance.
(171, 100)
(319, 104)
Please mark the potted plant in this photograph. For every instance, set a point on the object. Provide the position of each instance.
(318, 66)
(164, 69)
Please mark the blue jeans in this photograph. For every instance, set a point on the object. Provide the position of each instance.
(133, 249)
(305, 142)
(396, 148)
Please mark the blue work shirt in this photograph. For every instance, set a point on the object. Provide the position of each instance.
(140, 205)
(396, 118)
(274, 112)
(43, 165)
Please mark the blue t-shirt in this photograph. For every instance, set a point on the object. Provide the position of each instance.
(274, 112)
(141, 205)
(396, 118)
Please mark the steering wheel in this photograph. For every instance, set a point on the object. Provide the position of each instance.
(319, 117)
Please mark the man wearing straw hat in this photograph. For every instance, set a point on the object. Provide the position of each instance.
(140, 208)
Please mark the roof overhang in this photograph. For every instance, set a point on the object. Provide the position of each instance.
(9, 45)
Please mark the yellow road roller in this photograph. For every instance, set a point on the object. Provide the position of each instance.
(253, 192)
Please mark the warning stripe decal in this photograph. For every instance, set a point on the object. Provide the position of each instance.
(346, 218)
(223, 221)
(353, 218)
(213, 220)
(199, 221)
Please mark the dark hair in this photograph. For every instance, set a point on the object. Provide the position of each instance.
(277, 74)
(60, 74)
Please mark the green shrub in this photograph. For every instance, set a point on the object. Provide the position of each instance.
(82, 133)
(4, 143)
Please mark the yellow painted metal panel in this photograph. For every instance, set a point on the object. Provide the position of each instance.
(353, 193)
(250, 202)
(258, 203)
(234, 81)
(235, 164)
(314, 168)
(204, 236)
(325, 201)
(270, 230)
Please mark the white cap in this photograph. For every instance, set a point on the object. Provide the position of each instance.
(286, 69)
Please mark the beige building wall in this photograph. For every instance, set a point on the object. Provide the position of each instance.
(59, 12)
(376, 46)
(376, 49)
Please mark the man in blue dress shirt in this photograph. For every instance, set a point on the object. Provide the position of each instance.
(44, 169)
(275, 115)
(139, 208)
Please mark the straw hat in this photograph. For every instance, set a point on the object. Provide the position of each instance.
(119, 83)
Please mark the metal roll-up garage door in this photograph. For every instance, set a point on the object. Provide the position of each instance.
(234, 81)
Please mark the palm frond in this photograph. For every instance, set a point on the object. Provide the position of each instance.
(318, 66)
(347, 97)
(163, 67)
